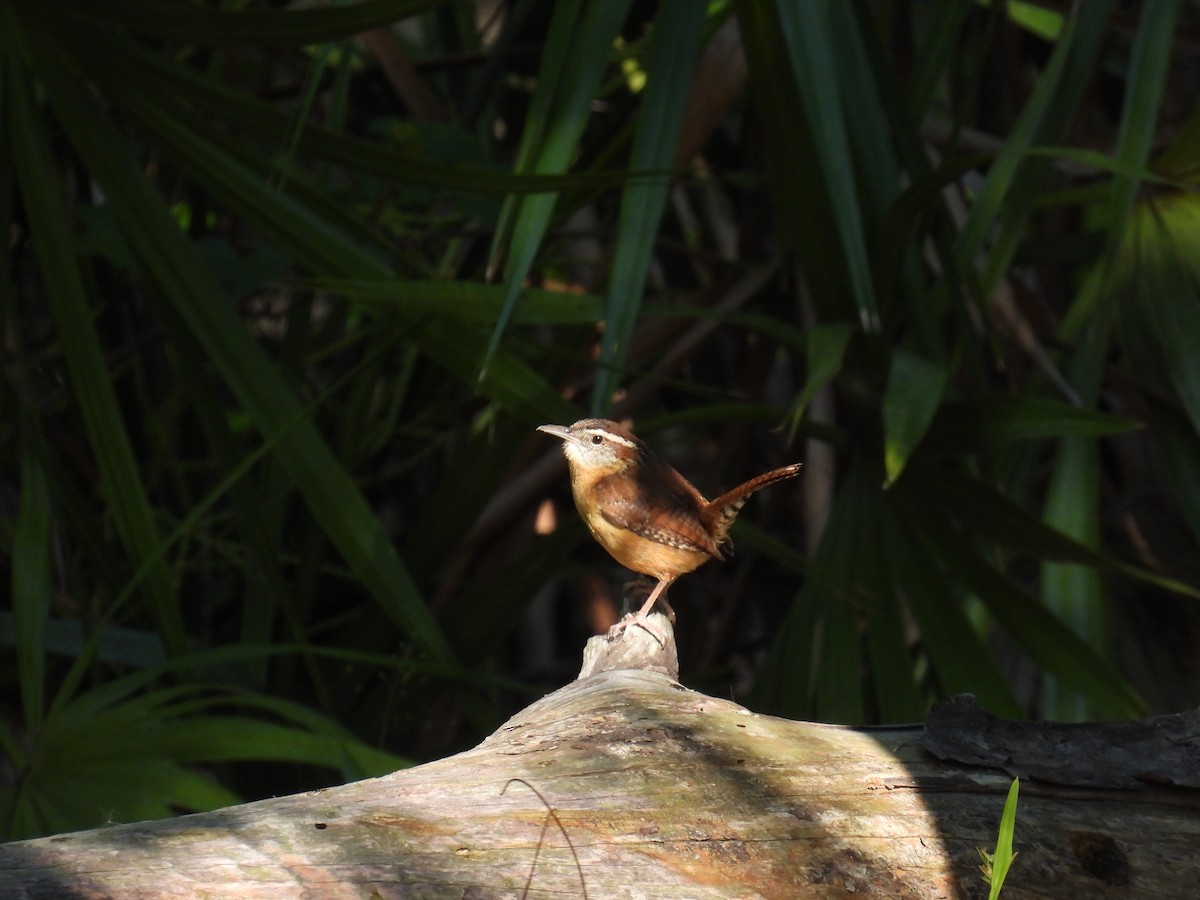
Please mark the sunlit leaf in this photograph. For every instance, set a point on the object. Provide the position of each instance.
(914, 392)
(578, 46)
(826, 348)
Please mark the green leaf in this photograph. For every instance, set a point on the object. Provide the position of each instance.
(53, 247)
(1164, 285)
(466, 301)
(194, 23)
(801, 201)
(893, 669)
(577, 49)
(329, 252)
(114, 753)
(826, 348)
(861, 98)
(1013, 184)
(810, 35)
(961, 660)
(185, 279)
(815, 665)
(935, 52)
(1181, 160)
(991, 423)
(1040, 634)
(1002, 859)
(675, 43)
(979, 507)
(1074, 593)
(911, 399)
(148, 81)
(1148, 67)
(994, 517)
(31, 576)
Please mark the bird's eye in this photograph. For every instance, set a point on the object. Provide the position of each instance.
(597, 439)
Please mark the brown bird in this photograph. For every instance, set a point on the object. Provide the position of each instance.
(642, 511)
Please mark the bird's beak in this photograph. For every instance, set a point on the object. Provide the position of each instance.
(559, 431)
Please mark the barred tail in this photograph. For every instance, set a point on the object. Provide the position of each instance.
(725, 508)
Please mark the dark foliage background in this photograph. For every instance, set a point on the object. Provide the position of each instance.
(287, 287)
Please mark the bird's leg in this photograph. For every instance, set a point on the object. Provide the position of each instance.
(658, 594)
(639, 618)
(644, 586)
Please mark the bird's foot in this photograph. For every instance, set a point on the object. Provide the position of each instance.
(638, 620)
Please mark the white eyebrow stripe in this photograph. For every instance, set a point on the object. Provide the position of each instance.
(615, 438)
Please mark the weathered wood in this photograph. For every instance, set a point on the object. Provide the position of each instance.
(1158, 750)
(630, 785)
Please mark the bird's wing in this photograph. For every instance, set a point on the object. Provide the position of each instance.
(668, 509)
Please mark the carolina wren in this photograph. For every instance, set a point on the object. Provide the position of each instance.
(643, 512)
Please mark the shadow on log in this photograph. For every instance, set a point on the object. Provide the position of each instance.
(627, 784)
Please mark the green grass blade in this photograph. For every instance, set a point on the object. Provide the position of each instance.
(1003, 857)
(1012, 185)
(31, 574)
(810, 37)
(981, 509)
(960, 658)
(1040, 634)
(1074, 593)
(196, 24)
(678, 29)
(861, 95)
(91, 380)
(1148, 68)
(802, 203)
(573, 81)
(893, 669)
(934, 53)
(990, 423)
(171, 85)
(466, 301)
(331, 253)
(815, 666)
(559, 35)
(1164, 284)
(191, 285)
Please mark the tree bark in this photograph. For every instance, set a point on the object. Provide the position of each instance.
(626, 784)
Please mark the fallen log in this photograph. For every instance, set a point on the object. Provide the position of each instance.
(626, 784)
